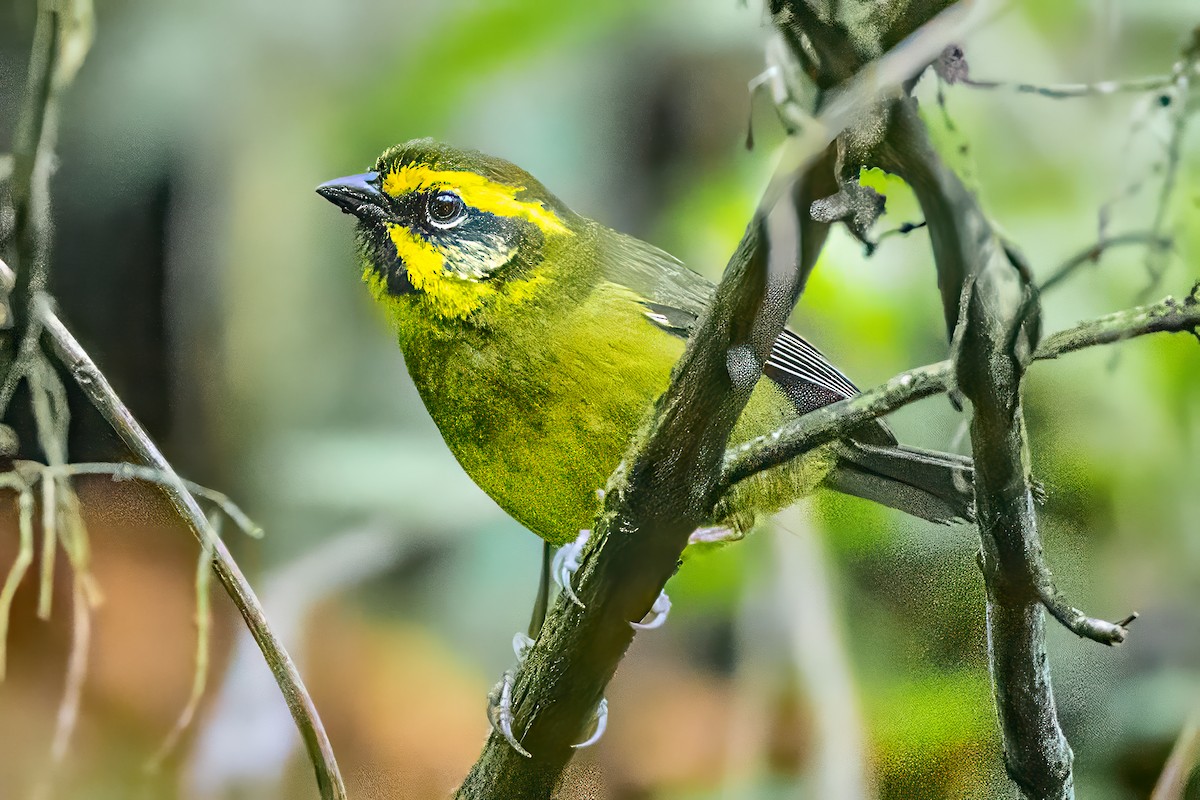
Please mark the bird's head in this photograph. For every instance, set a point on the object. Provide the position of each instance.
(454, 229)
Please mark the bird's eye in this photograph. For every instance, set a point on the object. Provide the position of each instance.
(446, 209)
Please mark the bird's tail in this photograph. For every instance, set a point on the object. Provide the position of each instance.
(935, 486)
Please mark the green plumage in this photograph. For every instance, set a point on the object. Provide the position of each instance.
(540, 388)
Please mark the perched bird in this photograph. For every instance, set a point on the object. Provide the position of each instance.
(538, 339)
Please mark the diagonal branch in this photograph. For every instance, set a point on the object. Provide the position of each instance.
(667, 491)
(837, 420)
(672, 476)
(57, 338)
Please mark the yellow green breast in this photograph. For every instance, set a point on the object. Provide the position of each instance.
(540, 417)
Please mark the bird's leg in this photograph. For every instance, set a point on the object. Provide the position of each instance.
(657, 617)
(566, 564)
(500, 713)
(542, 601)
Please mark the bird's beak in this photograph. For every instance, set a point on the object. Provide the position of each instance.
(355, 194)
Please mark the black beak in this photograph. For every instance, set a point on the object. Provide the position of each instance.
(355, 194)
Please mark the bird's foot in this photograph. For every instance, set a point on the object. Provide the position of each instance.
(500, 710)
(521, 644)
(566, 563)
(657, 616)
(715, 535)
(600, 721)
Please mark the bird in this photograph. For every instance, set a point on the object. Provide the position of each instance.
(538, 339)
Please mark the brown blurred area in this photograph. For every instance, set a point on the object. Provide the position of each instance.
(404, 715)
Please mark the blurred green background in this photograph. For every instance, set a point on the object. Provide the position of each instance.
(841, 655)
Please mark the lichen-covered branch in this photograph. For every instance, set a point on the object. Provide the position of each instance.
(1169, 315)
(835, 421)
(668, 490)
(985, 278)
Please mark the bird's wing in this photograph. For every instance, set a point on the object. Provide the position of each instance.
(657, 276)
(674, 299)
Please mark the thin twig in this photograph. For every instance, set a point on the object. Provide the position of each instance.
(68, 708)
(1167, 316)
(1092, 254)
(832, 422)
(21, 563)
(120, 471)
(49, 546)
(1156, 262)
(68, 711)
(1079, 623)
(1062, 91)
(98, 390)
(200, 670)
(29, 189)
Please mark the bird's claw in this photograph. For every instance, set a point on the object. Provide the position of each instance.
(657, 616)
(564, 567)
(500, 713)
(521, 644)
(715, 535)
(601, 719)
(566, 563)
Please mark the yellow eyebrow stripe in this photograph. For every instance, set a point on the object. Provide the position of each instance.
(476, 191)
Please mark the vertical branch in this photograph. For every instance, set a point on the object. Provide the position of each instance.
(997, 333)
(62, 37)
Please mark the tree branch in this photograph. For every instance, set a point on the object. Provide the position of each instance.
(835, 421)
(673, 477)
(1169, 315)
(1092, 254)
(650, 509)
(998, 338)
(29, 192)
